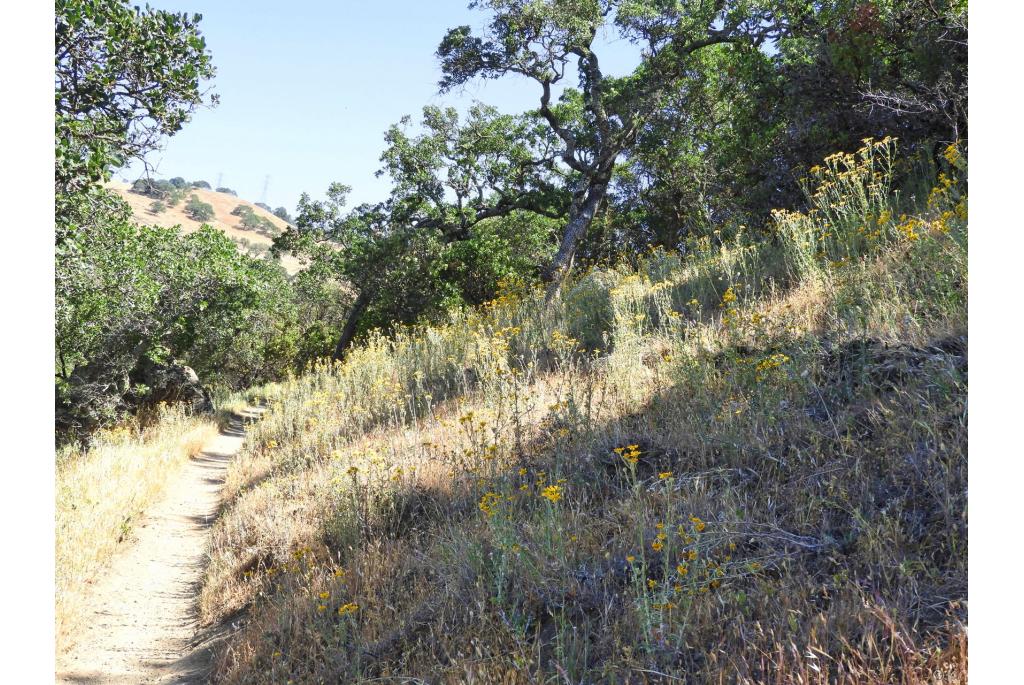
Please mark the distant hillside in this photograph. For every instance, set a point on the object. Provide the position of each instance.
(223, 204)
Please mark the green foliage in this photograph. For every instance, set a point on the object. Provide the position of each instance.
(500, 250)
(179, 183)
(703, 164)
(233, 318)
(280, 213)
(198, 210)
(157, 207)
(253, 221)
(227, 191)
(124, 77)
(857, 69)
(601, 120)
(193, 297)
(468, 205)
(200, 184)
(157, 189)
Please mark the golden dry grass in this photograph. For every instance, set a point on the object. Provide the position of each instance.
(748, 465)
(103, 491)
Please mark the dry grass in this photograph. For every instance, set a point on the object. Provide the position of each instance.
(102, 491)
(744, 466)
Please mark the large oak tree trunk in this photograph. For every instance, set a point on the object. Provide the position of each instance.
(581, 215)
(352, 323)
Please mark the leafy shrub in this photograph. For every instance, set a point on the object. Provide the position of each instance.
(126, 292)
(253, 221)
(227, 191)
(282, 213)
(157, 207)
(159, 190)
(201, 184)
(178, 182)
(198, 210)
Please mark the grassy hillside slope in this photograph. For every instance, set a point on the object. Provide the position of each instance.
(746, 464)
(223, 204)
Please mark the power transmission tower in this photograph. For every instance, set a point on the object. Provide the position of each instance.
(220, 179)
(266, 182)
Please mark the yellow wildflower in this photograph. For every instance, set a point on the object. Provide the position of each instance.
(489, 503)
(552, 493)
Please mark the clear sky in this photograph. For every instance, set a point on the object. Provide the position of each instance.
(309, 87)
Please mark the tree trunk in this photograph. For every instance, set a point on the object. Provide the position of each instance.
(581, 215)
(349, 332)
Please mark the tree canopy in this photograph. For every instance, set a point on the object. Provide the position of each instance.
(128, 295)
(125, 77)
(730, 104)
(597, 123)
(447, 180)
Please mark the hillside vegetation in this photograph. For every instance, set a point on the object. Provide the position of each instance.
(743, 464)
(223, 204)
(661, 378)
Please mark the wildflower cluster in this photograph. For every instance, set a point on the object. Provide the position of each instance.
(728, 305)
(953, 155)
(552, 493)
(850, 198)
(563, 344)
(766, 365)
(348, 608)
(489, 503)
(630, 454)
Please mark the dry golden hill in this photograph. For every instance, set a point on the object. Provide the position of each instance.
(223, 204)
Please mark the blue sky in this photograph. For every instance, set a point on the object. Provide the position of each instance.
(308, 88)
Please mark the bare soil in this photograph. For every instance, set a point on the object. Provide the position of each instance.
(141, 623)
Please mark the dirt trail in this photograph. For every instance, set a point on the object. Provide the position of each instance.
(141, 623)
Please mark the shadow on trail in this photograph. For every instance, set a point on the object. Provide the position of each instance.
(194, 667)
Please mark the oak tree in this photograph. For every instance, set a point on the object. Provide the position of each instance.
(542, 39)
